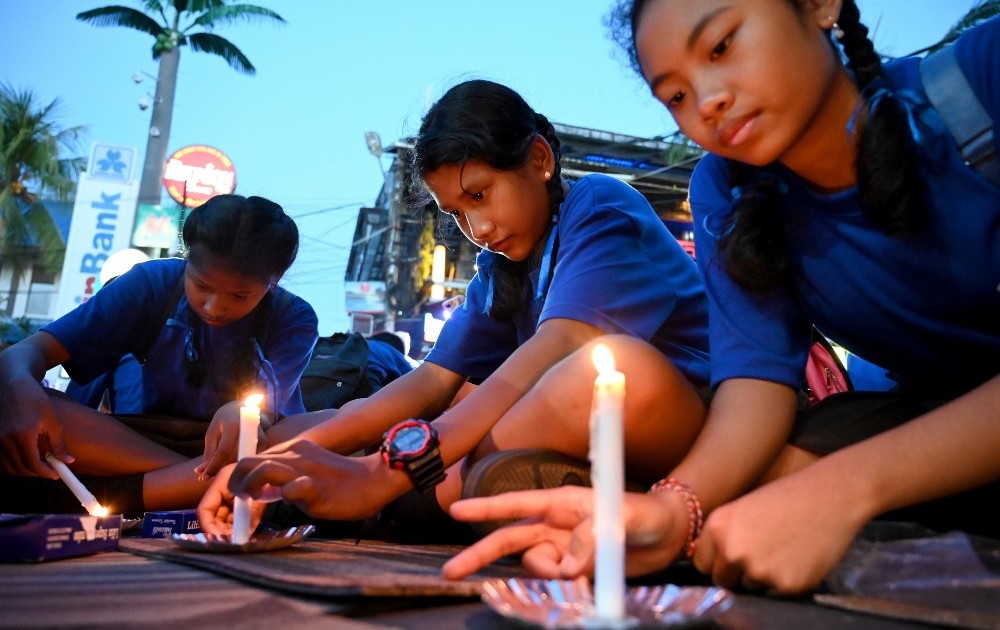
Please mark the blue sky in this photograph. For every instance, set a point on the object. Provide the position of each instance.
(339, 68)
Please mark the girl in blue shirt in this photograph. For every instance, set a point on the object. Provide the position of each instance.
(563, 263)
(833, 196)
(231, 331)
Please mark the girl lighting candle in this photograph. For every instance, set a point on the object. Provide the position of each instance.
(249, 423)
(86, 498)
(608, 477)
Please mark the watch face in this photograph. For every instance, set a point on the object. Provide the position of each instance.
(410, 439)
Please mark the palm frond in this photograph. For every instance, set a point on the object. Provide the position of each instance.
(31, 145)
(48, 240)
(15, 232)
(122, 16)
(216, 45)
(979, 13)
(221, 15)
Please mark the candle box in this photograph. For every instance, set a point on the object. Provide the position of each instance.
(163, 524)
(41, 537)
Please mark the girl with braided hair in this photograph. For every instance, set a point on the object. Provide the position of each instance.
(832, 196)
(563, 263)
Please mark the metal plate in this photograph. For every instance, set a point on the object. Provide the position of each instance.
(570, 604)
(261, 541)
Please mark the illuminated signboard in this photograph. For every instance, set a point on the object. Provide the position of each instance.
(196, 173)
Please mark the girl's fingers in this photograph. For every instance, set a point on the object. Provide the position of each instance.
(503, 542)
(558, 503)
(254, 474)
(545, 559)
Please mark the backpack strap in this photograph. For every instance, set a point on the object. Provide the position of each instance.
(168, 308)
(951, 95)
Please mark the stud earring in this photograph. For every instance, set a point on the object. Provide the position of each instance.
(837, 31)
(548, 176)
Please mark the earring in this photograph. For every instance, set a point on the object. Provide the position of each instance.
(836, 30)
(548, 176)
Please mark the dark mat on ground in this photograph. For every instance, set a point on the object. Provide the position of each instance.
(904, 571)
(335, 568)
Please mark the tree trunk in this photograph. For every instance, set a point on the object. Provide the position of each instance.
(151, 184)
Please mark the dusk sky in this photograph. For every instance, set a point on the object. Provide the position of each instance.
(338, 69)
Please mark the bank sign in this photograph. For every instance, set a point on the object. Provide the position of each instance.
(102, 222)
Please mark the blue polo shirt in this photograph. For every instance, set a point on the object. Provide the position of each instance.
(113, 323)
(617, 268)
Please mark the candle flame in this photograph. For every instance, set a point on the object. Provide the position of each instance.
(253, 400)
(603, 360)
(99, 510)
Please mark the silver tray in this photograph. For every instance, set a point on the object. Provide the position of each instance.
(570, 604)
(261, 541)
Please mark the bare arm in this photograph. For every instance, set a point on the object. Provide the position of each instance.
(423, 393)
(468, 422)
(426, 392)
(330, 486)
(789, 533)
(25, 412)
(748, 425)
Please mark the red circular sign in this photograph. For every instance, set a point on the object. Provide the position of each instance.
(196, 173)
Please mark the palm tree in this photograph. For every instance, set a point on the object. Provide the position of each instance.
(30, 165)
(980, 12)
(171, 24)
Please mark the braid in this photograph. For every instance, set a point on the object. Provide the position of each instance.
(753, 245)
(554, 185)
(889, 183)
(860, 52)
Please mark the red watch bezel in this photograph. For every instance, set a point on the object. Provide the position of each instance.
(390, 455)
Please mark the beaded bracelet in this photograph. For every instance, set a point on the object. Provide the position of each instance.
(696, 517)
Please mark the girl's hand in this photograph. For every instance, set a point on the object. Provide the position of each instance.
(28, 430)
(784, 537)
(556, 534)
(215, 511)
(222, 440)
(317, 481)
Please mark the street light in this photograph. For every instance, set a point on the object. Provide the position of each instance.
(374, 142)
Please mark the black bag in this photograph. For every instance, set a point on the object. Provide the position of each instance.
(337, 372)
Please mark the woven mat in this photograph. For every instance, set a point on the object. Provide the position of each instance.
(334, 568)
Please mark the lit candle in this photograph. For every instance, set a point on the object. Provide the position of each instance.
(249, 423)
(80, 491)
(608, 477)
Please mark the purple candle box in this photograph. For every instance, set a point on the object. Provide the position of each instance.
(41, 537)
(163, 524)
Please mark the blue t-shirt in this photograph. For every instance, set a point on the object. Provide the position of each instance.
(117, 320)
(385, 363)
(123, 385)
(925, 307)
(617, 268)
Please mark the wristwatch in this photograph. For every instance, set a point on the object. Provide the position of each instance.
(412, 446)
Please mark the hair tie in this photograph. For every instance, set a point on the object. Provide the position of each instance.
(725, 229)
(876, 93)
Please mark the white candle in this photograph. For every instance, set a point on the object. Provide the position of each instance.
(249, 423)
(87, 500)
(608, 477)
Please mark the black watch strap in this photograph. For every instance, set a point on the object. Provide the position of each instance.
(426, 471)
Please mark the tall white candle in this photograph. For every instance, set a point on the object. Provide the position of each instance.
(608, 478)
(249, 423)
(86, 498)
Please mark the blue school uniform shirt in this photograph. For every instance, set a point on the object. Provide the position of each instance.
(123, 385)
(113, 323)
(617, 268)
(385, 363)
(926, 307)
